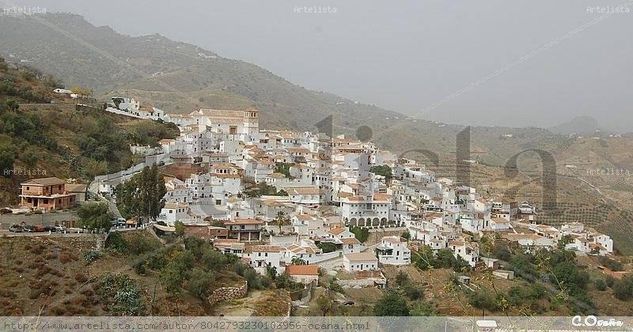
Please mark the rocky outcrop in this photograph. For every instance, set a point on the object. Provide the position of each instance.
(223, 294)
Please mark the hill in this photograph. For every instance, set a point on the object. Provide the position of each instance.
(180, 77)
(582, 125)
(43, 134)
(132, 274)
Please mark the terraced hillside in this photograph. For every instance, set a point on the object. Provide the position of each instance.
(43, 134)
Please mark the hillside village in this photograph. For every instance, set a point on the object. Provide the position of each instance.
(278, 199)
(318, 225)
(168, 180)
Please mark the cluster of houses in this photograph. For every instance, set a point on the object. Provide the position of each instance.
(132, 108)
(279, 199)
(318, 188)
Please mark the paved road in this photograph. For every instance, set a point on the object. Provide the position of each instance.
(6, 233)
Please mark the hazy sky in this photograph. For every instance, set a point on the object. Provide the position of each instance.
(493, 62)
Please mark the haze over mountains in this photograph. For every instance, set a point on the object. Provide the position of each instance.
(180, 77)
(519, 64)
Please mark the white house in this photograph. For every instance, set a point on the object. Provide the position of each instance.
(530, 241)
(499, 225)
(362, 261)
(393, 251)
(173, 212)
(308, 195)
(262, 257)
(467, 251)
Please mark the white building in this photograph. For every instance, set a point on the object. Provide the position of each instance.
(469, 252)
(363, 261)
(305, 274)
(393, 251)
(362, 211)
(262, 257)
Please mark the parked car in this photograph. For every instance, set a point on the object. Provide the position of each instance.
(39, 228)
(16, 229)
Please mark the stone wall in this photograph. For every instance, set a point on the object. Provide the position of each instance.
(223, 294)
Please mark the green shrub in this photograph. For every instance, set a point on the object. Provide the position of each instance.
(623, 288)
(484, 300)
(200, 283)
(600, 284)
(609, 280)
(92, 255)
(327, 247)
(139, 267)
(391, 304)
(121, 295)
(611, 264)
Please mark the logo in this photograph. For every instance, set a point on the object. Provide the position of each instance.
(593, 321)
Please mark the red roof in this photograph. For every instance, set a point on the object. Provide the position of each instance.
(302, 270)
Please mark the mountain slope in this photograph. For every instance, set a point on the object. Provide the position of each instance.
(70, 48)
(42, 134)
(180, 77)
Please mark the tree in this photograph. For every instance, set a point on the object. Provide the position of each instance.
(423, 258)
(566, 239)
(200, 283)
(406, 235)
(361, 234)
(569, 277)
(423, 308)
(281, 219)
(298, 261)
(180, 228)
(263, 188)
(171, 278)
(484, 300)
(81, 91)
(391, 304)
(177, 271)
(283, 168)
(623, 289)
(383, 170)
(402, 279)
(600, 284)
(327, 247)
(95, 216)
(412, 292)
(326, 304)
(7, 158)
(142, 195)
(271, 272)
